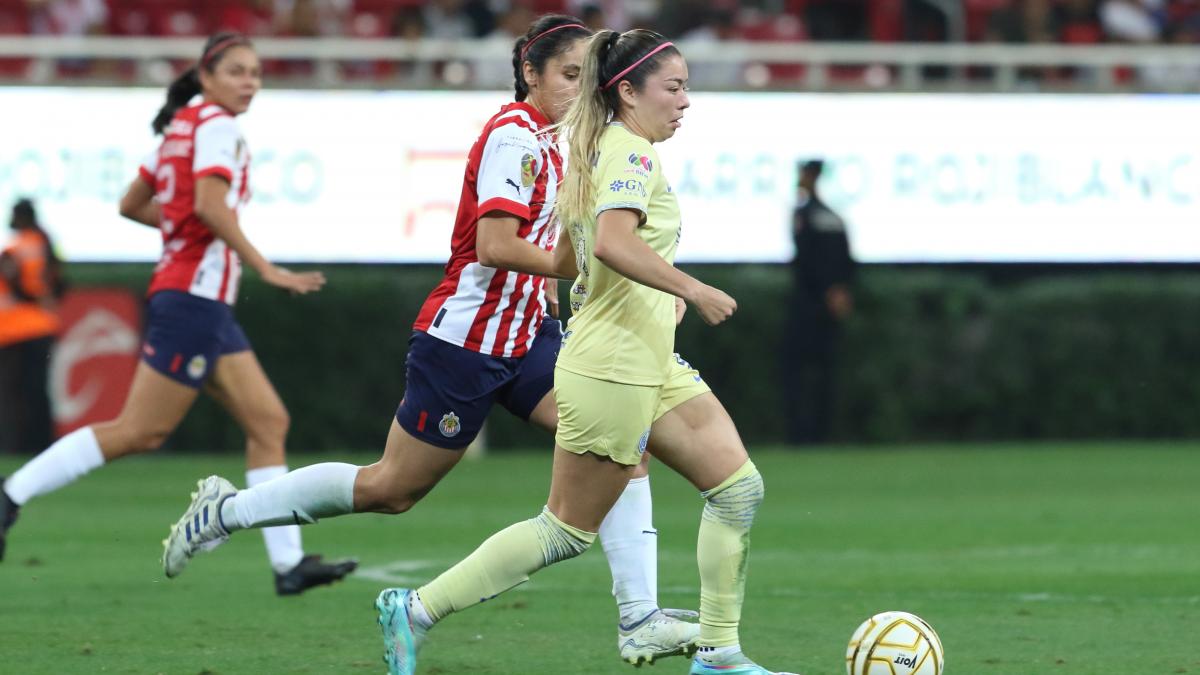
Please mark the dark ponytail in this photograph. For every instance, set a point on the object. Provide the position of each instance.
(546, 38)
(187, 86)
(183, 89)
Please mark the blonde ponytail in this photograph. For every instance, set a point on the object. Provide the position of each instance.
(583, 125)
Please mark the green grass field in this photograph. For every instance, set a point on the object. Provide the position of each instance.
(1078, 559)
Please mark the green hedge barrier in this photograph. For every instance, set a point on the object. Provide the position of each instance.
(930, 355)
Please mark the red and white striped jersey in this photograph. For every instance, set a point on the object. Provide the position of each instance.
(514, 167)
(202, 140)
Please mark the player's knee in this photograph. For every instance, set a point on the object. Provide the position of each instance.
(736, 503)
(270, 427)
(378, 494)
(146, 440)
(395, 503)
(559, 540)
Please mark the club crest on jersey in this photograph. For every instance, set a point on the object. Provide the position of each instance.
(450, 425)
(197, 366)
(527, 171)
(642, 161)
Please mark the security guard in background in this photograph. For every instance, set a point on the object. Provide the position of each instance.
(30, 286)
(822, 275)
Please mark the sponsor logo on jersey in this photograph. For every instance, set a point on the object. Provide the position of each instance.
(630, 185)
(450, 425)
(642, 161)
(528, 174)
(197, 366)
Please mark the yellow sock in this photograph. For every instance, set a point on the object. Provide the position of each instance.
(723, 552)
(502, 562)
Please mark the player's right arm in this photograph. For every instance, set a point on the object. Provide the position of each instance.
(211, 209)
(564, 265)
(506, 181)
(497, 245)
(138, 203)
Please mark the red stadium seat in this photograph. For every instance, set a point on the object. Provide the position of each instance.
(387, 7)
(14, 20)
(369, 24)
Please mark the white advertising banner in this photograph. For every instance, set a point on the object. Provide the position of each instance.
(351, 176)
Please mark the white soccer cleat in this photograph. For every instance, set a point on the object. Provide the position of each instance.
(200, 527)
(658, 635)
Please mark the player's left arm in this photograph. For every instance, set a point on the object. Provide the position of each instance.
(138, 203)
(212, 210)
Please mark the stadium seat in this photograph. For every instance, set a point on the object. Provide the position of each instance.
(14, 20)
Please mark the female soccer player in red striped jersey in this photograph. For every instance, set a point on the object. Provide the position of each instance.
(481, 338)
(191, 189)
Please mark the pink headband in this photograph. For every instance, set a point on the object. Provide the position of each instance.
(539, 36)
(623, 73)
(223, 44)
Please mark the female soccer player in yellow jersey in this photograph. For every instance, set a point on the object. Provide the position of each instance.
(616, 372)
(481, 340)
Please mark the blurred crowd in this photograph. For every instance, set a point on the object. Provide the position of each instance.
(996, 21)
(1013, 21)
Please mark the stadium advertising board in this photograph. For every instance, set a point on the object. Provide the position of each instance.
(353, 176)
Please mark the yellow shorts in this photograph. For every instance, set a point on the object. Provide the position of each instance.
(683, 384)
(612, 419)
(603, 418)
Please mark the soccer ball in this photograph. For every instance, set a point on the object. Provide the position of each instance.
(895, 643)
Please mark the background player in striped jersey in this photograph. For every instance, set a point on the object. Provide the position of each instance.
(191, 189)
(481, 338)
(616, 374)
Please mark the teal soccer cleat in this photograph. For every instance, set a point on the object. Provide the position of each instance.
(401, 637)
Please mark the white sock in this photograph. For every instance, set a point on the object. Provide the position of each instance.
(631, 545)
(283, 541)
(296, 498)
(63, 463)
(418, 613)
(715, 655)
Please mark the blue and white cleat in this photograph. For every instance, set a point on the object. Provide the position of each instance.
(401, 637)
(658, 635)
(730, 664)
(200, 528)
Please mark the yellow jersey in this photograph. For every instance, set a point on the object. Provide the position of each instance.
(620, 330)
